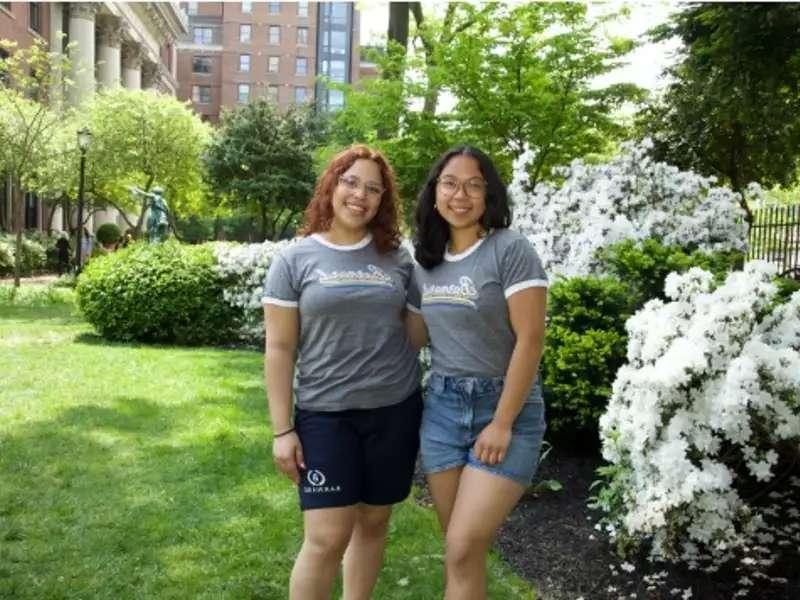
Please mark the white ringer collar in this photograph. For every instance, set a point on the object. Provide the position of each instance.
(347, 247)
(461, 255)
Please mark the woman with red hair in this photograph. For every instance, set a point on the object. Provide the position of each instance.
(334, 308)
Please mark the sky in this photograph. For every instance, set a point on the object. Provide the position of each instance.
(645, 64)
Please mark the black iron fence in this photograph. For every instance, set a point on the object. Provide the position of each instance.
(775, 237)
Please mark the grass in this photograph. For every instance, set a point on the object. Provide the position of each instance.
(145, 472)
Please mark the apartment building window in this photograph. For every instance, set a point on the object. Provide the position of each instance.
(302, 9)
(299, 95)
(273, 64)
(244, 63)
(201, 64)
(275, 34)
(272, 92)
(191, 9)
(203, 36)
(302, 36)
(338, 13)
(301, 66)
(335, 99)
(244, 33)
(201, 94)
(35, 16)
(244, 93)
(336, 70)
(274, 8)
(247, 7)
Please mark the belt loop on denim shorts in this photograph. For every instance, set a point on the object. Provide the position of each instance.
(436, 382)
(466, 385)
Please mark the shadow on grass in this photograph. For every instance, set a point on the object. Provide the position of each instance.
(124, 500)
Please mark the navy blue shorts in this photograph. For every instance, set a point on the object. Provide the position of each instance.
(358, 456)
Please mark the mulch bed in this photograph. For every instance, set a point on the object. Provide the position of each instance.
(551, 540)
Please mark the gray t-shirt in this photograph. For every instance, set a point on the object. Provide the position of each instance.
(463, 302)
(353, 350)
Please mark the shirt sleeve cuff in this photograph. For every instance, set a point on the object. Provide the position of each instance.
(413, 308)
(278, 302)
(524, 285)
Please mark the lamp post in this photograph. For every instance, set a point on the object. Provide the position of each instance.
(84, 139)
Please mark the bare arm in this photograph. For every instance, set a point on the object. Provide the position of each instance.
(282, 326)
(527, 312)
(416, 329)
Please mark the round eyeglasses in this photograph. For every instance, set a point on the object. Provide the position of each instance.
(474, 188)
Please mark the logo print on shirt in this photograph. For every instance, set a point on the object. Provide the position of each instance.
(462, 294)
(372, 277)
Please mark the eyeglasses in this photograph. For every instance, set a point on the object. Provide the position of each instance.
(474, 188)
(353, 183)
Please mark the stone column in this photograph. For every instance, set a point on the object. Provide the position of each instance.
(131, 66)
(81, 32)
(109, 41)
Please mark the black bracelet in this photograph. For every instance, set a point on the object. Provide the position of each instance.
(277, 435)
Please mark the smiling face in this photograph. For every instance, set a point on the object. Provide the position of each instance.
(461, 193)
(357, 196)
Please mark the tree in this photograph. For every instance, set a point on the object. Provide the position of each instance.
(378, 112)
(733, 109)
(31, 98)
(525, 77)
(143, 138)
(262, 159)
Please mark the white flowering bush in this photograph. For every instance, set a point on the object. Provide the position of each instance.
(631, 197)
(702, 430)
(244, 269)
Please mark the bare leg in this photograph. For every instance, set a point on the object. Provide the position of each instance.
(482, 503)
(364, 555)
(443, 487)
(326, 534)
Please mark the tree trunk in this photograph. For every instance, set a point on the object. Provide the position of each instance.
(286, 225)
(18, 212)
(263, 207)
(49, 227)
(398, 23)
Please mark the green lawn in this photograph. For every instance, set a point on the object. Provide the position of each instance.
(145, 472)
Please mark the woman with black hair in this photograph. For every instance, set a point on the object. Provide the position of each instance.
(481, 293)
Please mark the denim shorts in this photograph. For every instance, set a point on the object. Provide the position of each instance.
(456, 409)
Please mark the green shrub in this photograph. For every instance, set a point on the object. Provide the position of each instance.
(195, 230)
(34, 258)
(644, 266)
(585, 345)
(157, 293)
(786, 287)
(108, 233)
(6, 256)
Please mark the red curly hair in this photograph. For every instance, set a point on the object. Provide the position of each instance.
(384, 226)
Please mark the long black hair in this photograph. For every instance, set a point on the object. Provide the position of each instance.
(432, 231)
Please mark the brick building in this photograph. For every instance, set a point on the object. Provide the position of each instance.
(235, 51)
(128, 44)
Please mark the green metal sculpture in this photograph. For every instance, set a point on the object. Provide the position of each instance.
(158, 215)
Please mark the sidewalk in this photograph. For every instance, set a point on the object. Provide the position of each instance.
(35, 280)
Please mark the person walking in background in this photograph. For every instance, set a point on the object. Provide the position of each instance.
(335, 309)
(481, 295)
(87, 245)
(62, 253)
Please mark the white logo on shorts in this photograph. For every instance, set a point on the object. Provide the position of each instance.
(316, 478)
